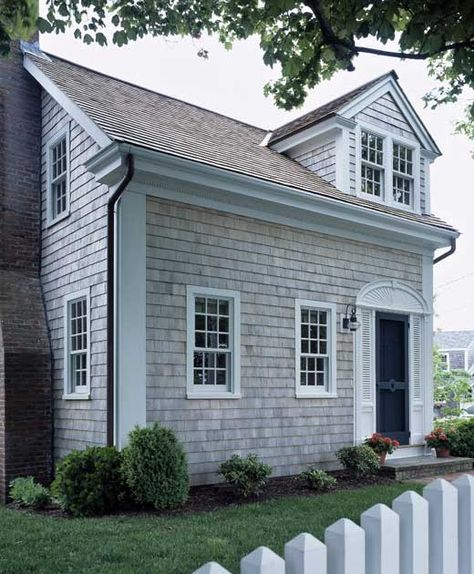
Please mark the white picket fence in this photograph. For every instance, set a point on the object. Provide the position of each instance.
(429, 534)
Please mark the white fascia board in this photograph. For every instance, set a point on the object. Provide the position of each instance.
(316, 131)
(378, 90)
(213, 187)
(65, 102)
(108, 165)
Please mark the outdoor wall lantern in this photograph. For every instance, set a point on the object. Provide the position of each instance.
(350, 323)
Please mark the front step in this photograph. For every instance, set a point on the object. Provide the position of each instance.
(420, 466)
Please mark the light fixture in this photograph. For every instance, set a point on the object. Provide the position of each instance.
(350, 324)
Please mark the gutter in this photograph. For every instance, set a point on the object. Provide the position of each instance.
(450, 251)
(111, 204)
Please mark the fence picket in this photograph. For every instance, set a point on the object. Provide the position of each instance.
(382, 537)
(465, 487)
(414, 539)
(442, 498)
(305, 554)
(262, 561)
(345, 543)
(211, 568)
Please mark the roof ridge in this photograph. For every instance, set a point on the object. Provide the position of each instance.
(342, 97)
(144, 88)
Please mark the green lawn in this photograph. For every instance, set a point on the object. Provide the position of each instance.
(34, 544)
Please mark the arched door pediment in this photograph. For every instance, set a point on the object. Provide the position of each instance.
(391, 295)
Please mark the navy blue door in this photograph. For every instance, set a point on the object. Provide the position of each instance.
(392, 376)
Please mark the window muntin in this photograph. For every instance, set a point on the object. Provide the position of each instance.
(372, 172)
(58, 178)
(402, 159)
(402, 174)
(212, 351)
(213, 343)
(315, 348)
(76, 345)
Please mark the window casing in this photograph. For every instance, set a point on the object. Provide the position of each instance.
(389, 168)
(315, 349)
(213, 343)
(76, 346)
(58, 177)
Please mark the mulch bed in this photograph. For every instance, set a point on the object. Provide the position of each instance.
(218, 496)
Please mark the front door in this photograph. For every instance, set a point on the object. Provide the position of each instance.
(392, 376)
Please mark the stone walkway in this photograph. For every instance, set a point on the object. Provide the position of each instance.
(448, 477)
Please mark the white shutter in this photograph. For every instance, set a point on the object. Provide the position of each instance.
(367, 356)
(416, 356)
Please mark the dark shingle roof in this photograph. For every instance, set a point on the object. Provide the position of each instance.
(325, 111)
(135, 115)
(453, 339)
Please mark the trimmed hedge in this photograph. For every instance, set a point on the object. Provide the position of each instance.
(154, 467)
(359, 460)
(89, 482)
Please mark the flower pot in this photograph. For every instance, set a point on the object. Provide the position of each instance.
(442, 452)
(382, 457)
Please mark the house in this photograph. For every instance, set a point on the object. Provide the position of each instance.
(457, 349)
(254, 291)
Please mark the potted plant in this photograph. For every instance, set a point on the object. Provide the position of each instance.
(438, 439)
(382, 445)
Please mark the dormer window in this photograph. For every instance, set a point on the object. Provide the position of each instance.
(387, 168)
(402, 174)
(372, 173)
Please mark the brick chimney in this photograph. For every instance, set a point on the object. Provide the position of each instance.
(25, 364)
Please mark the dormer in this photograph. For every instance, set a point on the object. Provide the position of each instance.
(369, 143)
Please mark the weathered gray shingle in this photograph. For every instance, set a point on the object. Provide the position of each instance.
(453, 339)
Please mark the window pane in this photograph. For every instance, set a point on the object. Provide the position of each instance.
(212, 331)
(314, 348)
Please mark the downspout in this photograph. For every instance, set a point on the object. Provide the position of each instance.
(111, 204)
(450, 251)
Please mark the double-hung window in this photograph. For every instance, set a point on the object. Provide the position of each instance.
(76, 346)
(402, 174)
(213, 341)
(372, 166)
(315, 327)
(58, 178)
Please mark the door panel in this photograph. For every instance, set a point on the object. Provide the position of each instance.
(392, 376)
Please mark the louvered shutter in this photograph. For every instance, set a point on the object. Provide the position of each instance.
(367, 356)
(416, 354)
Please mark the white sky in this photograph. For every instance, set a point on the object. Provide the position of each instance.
(231, 82)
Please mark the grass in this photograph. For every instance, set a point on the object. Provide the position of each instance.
(149, 544)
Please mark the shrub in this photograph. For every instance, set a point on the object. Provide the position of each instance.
(28, 493)
(461, 437)
(360, 460)
(318, 479)
(89, 481)
(155, 468)
(247, 475)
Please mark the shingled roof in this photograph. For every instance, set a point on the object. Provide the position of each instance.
(137, 116)
(323, 112)
(453, 339)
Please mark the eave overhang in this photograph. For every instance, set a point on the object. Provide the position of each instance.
(185, 180)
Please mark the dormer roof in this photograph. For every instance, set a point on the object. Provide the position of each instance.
(346, 107)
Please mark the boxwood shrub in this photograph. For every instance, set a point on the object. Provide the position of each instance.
(359, 460)
(89, 482)
(155, 468)
(247, 475)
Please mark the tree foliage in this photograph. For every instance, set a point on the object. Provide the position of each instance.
(450, 387)
(309, 39)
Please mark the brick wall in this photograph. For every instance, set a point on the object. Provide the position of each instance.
(25, 380)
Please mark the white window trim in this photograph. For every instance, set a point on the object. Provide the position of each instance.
(388, 140)
(303, 391)
(54, 140)
(69, 392)
(446, 354)
(191, 392)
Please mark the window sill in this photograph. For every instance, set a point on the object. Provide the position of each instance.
(315, 395)
(212, 395)
(58, 219)
(77, 397)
